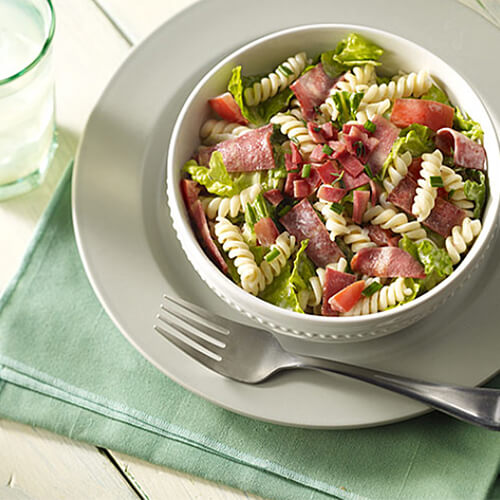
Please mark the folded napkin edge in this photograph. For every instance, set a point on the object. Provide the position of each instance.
(18, 374)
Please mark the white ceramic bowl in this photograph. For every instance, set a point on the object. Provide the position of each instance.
(264, 54)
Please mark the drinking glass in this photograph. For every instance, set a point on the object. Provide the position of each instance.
(27, 123)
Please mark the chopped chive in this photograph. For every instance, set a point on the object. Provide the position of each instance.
(372, 288)
(360, 148)
(337, 207)
(251, 215)
(284, 69)
(368, 171)
(436, 181)
(295, 140)
(338, 178)
(370, 126)
(317, 129)
(284, 210)
(327, 149)
(272, 255)
(306, 170)
(316, 109)
(451, 192)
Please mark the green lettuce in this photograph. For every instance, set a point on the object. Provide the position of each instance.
(436, 261)
(260, 114)
(347, 104)
(352, 51)
(284, 289)
(465, 124)
(476, 192)
(417, 139)
(303, 269)
(215, 177)
(436, 94)
(281, 293)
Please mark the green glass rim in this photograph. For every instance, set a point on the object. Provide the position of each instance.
(43, 51)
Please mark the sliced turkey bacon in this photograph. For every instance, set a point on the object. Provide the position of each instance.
(274, 197)
(311, 90)
(351, 182)
(328, 171)
(301, 189)
(249, 152)
(382, 237)
(317, 154)
(360, 204)
(432, 114)
(466, 152)
(443, 217)
(351, 164)
(303, 222)
(387, 262)
(402, 195)
(331, 194)
(386, 133)
(290, 179)
(358, 142)
(266, 231)
(334, 282)
(190, 190)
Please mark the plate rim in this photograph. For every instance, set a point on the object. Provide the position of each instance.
(101, 296)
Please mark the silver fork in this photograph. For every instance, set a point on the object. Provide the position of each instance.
(252, 355)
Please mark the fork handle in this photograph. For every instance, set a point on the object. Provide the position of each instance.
(480, 406)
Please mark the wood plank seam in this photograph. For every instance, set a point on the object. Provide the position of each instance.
(125, 473)
(114, 22)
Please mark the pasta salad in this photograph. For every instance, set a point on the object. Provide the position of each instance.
(330, 187)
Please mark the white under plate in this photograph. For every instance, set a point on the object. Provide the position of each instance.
(132, 256)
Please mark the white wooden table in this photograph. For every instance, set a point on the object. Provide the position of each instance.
(92, 38)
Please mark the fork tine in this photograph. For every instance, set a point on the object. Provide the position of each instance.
(196, 326)
(187, 349)
(192, 333)
(197, 312)
(200, 324)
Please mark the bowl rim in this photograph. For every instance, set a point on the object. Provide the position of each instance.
(224, 286)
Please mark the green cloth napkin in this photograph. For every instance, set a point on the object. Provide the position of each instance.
(65, 367)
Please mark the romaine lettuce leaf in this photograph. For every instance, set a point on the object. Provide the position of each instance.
(215, 177)
(352, 51)
(281, 293)
(436, 94)
(303, 269)
(476, 192)
(347, 104)
(465, 124)
(284, 290)
(417, 139)
(260, 114)
(437, 263)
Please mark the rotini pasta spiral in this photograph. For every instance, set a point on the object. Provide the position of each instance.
(229, 236)
(334, 222)
(285, 244)
(215, 131)
(414, 84)
(425, 198)
(397, 170)
(357, 238)
(296, 130)
(389, 218)
(454, 183)
(357, 79)
(232, 206)
(461, 236)
(276, 81)
(368, 111)
(388, 296)
(317, 282)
